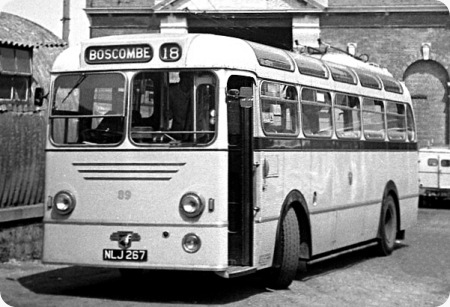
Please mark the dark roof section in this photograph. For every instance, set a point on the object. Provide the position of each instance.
(20, 32)
(338, 6)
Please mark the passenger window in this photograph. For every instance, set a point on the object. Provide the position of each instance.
(347, 116)
(396, 121)
(316, 113)
(373, 119)
(279, 108)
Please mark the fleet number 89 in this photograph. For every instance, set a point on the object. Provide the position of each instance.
(124, 194)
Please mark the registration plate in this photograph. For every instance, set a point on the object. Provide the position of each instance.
(133, 255)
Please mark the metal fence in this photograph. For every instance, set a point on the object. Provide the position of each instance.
(22, 161)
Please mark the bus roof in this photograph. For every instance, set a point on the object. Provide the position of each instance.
(178, 51)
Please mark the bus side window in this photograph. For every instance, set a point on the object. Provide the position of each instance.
(410, 126)
(373, 119)
(279, 108)
(316, 113)
(396, 121)
(347, 116)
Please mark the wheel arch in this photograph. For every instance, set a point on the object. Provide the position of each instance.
(296, 201)
(391, 189)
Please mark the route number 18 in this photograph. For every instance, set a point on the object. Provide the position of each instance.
(170, 52)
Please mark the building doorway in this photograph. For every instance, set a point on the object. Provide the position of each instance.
(427, 82)
(269, 30)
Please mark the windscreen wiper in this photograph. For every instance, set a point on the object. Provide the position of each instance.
(79, 81)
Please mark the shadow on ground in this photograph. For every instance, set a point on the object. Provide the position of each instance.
(344, 260)
(172, 286)
(151, 286)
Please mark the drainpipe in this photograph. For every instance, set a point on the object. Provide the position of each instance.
(66, 21)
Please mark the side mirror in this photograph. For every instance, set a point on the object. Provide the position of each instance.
(246, 97)
(39, 96)
(233, 94)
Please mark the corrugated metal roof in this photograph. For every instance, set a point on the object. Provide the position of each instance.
(20, 32)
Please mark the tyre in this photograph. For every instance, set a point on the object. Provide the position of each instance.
(287, 253)
(388, 226)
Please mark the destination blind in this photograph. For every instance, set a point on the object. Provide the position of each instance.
(118, 54)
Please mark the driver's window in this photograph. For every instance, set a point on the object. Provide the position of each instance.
(88, 109)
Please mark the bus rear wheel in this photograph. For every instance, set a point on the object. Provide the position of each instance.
(287, 253)
(388, 227)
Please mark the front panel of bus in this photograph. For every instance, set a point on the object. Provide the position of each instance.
(136, 173)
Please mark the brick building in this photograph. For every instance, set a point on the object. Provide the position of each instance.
(409, 37)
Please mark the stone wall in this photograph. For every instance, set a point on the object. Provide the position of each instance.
(21, 240)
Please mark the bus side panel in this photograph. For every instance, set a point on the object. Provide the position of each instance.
(408, 189)
(264, 243)
(343, 191)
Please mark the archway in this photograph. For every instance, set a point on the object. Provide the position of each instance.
(427, 82)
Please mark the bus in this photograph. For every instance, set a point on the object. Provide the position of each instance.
(208, 153)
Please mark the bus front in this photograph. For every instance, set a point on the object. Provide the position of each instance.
(133, 162)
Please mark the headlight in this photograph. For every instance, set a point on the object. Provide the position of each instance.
(191, 205)
(64, 202)
(191, 243)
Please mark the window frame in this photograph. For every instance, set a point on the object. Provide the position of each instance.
(342, 107)
(71, 116)
(390, 115)
(364, 124)
(148, 133)
(277, 97)
(317, 104)
(19, 68)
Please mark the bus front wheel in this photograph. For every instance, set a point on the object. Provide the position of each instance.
(287, 253)
(388, 227)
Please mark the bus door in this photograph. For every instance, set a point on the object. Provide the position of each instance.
(240, 173)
